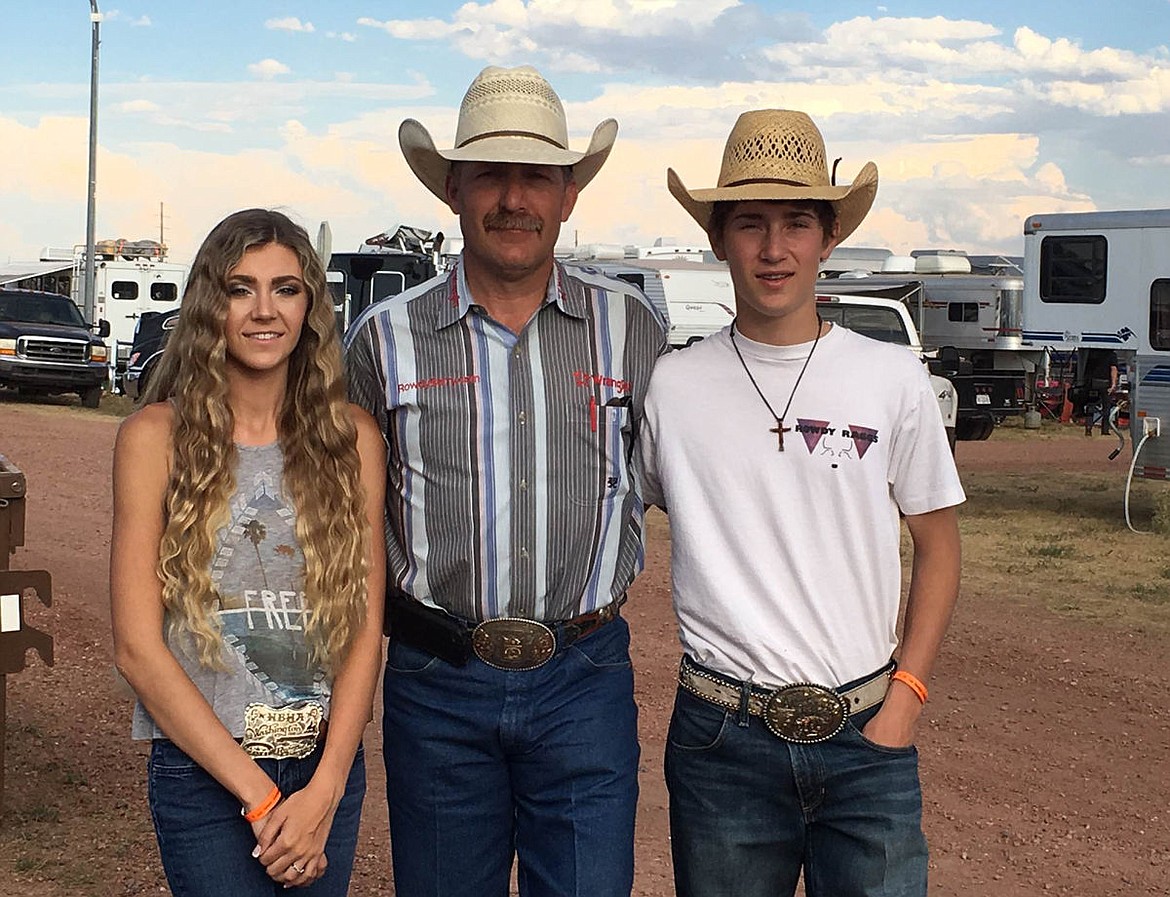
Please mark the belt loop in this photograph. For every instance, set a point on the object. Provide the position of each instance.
(743, 720)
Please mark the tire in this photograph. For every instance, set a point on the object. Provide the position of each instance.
(974, 428)
(92, 397)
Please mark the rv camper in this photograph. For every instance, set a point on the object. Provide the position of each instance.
(969, 321)
(696, 298)
(1099, 283)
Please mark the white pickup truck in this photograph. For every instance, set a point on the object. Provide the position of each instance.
(889, 321)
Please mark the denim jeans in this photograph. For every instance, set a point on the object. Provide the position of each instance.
(749, 812)
(485, 764)
(206, 845)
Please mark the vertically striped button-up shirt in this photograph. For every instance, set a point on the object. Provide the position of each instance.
(511, 489)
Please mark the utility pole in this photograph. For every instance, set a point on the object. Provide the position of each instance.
(95, 19)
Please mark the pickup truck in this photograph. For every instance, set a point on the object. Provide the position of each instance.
(889, 321)
(46, 347)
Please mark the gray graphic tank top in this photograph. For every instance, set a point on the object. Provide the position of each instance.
(258, 570)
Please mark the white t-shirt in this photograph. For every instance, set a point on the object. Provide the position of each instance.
(785, 566)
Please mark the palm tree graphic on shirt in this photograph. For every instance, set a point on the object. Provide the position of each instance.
(257, 532)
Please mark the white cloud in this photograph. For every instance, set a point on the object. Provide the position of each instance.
(142, 22)
(346, 36)
(134, 106)
(291, 23)
(268, 68)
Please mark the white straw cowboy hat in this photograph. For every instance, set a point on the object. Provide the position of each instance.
(507, 115)
(778, 154)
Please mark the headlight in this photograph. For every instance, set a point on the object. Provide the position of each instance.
(98, 353)
(8, 347)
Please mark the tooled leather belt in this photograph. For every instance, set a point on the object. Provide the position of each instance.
(803, 712)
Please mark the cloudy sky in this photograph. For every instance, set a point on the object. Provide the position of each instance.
(976, 113)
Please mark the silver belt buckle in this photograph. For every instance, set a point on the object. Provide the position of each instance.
(805, 713)
(282, 733)
(509, 643)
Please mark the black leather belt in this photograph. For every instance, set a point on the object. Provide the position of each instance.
(509, 643)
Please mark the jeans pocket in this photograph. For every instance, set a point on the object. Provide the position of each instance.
(696, 725)
(167, 759)
(404, 658)
(858, 721)
(606, 649)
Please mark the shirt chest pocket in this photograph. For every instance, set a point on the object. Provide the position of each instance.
(599, 443)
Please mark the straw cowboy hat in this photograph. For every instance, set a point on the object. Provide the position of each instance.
(778, 154)
(507, 115)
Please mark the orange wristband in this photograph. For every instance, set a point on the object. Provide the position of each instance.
(913, 682)
(263, 808)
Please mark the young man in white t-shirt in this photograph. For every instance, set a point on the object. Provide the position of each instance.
(785, 451)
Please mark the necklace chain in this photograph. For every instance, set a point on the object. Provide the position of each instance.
(779, 429)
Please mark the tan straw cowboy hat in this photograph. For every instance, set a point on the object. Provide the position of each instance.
(778, 154)
(507, 115)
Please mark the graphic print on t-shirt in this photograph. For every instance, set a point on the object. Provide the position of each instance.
(258, 572)
(821, 437)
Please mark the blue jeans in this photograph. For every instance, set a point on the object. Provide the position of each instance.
(749, 812)
(206, 845)
(485, 764)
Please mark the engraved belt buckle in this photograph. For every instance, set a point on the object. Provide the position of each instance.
(282, 733)
(805, 713)
(508, 643)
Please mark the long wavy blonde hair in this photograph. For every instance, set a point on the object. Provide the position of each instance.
(317, 438)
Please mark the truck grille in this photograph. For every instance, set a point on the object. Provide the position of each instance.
(48, 348)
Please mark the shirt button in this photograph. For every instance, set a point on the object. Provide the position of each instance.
(524, 484)
(524, 553)
(522, 417)
(516, 352)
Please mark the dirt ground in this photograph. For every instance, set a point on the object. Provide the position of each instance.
(1045, 746)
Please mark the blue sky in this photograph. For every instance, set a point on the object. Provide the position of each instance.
(977, 113)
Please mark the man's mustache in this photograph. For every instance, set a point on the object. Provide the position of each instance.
(509, 221)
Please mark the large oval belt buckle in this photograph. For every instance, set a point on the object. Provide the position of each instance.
(805, 713)
(508, 643)
(282, 733)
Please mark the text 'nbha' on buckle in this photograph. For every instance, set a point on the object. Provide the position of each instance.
(282, 733)
(508, 643)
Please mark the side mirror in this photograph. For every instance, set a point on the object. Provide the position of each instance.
(103, 328)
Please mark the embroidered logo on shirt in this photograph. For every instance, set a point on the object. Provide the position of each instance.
(432, 382)
(587, 378)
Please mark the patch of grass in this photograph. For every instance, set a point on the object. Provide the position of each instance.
(29, 864)
(1052, 550)
(1150, 594)
(42, 813)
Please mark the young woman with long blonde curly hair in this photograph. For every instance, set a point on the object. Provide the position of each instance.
(247, 574)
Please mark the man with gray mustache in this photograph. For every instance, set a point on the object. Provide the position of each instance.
(510, 392)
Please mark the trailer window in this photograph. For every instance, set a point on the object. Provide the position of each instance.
(638, 280)
(963, 312)
(1072, 269)
(1160, 315)
(164, 292)
(124, 289)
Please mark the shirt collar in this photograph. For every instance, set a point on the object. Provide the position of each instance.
(566, 293)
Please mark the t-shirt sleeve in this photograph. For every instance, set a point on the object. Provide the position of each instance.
(646, 459)
(923, 476)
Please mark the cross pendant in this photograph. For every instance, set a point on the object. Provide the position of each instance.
(780, 430)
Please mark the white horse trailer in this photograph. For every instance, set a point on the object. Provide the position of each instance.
(1099, 283)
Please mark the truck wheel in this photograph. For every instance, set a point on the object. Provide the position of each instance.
(92, 397)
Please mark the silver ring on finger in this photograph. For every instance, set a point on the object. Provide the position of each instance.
(298, 869)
